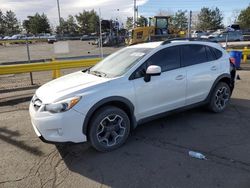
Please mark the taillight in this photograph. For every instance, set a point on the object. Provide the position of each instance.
(232, 60)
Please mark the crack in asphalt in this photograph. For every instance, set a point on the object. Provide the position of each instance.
(176, 148)
(10, 181)
(226, 146)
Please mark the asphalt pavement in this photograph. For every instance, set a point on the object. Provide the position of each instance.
(155, 155)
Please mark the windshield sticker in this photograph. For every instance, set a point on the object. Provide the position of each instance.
(137, 54)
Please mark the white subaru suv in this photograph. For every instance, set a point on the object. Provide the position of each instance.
(102, 104)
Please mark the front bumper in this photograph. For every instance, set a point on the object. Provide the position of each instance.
(58, 127)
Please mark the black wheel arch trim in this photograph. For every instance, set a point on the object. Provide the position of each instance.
(107, 100)
(218, 79)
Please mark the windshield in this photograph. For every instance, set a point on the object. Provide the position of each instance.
(119, 63)
(162, 23)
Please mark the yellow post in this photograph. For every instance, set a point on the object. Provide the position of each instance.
(245, 54)
(56, 72)
(53, 71)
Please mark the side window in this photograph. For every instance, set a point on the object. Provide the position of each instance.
(193, 54)
(210, 54)
(140, 72)
(139, 35)
(217, 53)
(167, 59)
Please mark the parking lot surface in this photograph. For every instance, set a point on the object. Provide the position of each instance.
(155, 155)
(43, 50)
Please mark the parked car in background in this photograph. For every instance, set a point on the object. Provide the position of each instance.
(6, 37)
(113, 40)
(197, 34)
(88, 37)
(52, 39)
(43, 35)
(18, 37)
(223, 36)
(84, 37)
(234, 27)
(30, 36)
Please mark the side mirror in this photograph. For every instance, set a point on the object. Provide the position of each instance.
(152, 70)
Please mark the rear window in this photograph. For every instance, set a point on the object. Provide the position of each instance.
(217, 53)
(195, 54)
(210, 54)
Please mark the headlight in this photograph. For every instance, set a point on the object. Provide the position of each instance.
(62, 106)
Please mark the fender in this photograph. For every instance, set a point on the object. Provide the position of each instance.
(225, 75)
(107, 100)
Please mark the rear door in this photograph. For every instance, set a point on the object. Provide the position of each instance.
(202, 70)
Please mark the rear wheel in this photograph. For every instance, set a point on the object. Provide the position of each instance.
(220, 97)
(109, 128)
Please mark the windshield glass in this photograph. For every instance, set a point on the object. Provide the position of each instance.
(162, 23)
(119, 63)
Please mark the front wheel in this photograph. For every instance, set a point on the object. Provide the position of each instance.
(220, 97)
(109, 128)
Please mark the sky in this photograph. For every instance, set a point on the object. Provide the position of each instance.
(118, 9)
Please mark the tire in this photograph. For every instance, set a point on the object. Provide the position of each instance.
(220, 97)
(109, 129)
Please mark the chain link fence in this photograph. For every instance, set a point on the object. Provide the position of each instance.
(19, 53)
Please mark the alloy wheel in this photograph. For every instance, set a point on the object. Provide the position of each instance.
(111, 130)
(221, 97)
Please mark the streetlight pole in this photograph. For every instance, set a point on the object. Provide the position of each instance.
(117, 27)
(59, 16)
(134, 13)
(28, 53)
(100, 39)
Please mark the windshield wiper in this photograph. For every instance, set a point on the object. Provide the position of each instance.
(98, 73)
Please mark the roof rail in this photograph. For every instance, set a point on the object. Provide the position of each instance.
(185, 39)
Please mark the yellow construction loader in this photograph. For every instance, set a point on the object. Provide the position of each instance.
(157, 30)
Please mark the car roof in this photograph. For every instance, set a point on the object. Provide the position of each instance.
(147, 45)
(179, 41)
(208, 43)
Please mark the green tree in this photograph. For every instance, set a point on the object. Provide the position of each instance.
(88, 22)
(180, 20)
(210, 19)
(129, 23)
(37, 24)
(2, 23)
(217, 18)
(68, 26)
(10, 23)
(244, 18)
(142, 21)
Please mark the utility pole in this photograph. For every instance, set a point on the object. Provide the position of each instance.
(134, 13)
(100, 39)
(28, 53)
(59, 16)
(189, 24)
(137, 12)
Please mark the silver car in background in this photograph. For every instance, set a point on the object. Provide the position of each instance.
(197, 33)
(223, 36)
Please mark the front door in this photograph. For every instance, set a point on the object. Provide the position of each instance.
(164, 92)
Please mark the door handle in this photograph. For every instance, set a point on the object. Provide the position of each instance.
(179, 77)
(213, 68)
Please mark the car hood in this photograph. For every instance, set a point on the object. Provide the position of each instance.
(67, 86)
